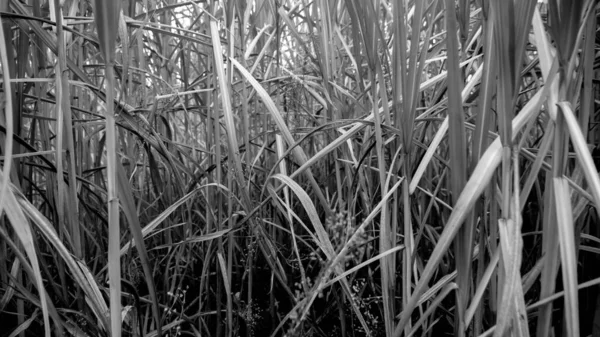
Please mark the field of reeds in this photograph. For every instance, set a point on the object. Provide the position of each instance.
(300, 168)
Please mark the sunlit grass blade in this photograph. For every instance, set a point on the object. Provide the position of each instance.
(567, 254)
(8, 121)
(509, 308)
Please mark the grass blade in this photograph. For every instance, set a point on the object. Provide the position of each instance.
(106, 16)
(567, 254)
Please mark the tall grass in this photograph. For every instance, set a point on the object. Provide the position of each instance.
(299, 168)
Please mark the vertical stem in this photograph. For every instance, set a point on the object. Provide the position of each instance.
(114, 264)
(408, 240)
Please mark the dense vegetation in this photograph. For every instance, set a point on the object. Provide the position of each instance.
(299, 168)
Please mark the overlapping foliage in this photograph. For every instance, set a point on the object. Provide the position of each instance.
(299, 168)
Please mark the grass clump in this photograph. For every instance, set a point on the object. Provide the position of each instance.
(298, 168)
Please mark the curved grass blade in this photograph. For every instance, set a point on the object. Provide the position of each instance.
(583, 152)
(77, 269)
(285, 132)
